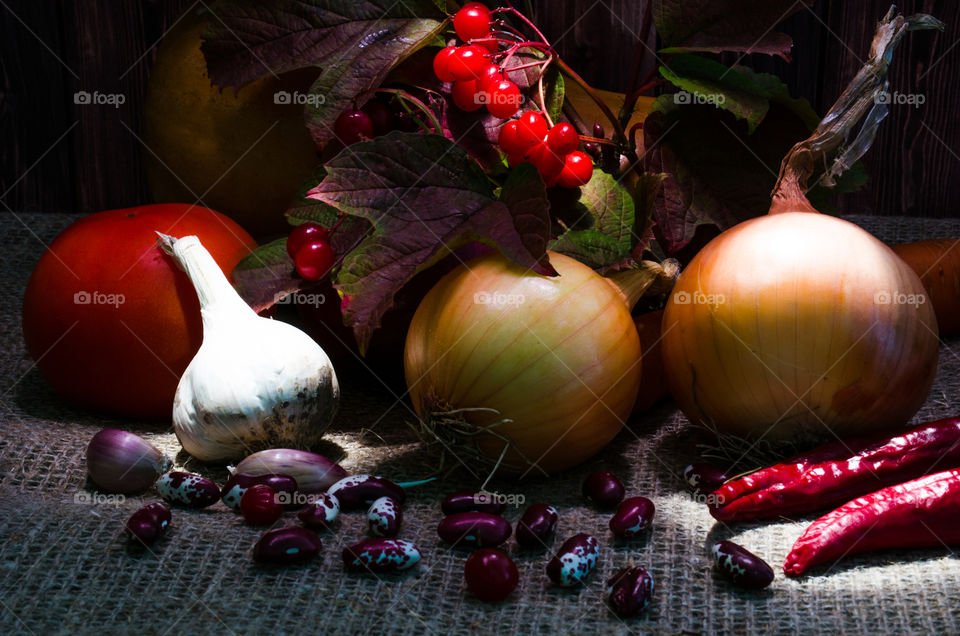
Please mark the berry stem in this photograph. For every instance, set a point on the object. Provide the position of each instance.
(526, 20)
(405, 97)
(619, 134)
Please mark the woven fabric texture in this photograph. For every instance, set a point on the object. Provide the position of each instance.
(65, 566)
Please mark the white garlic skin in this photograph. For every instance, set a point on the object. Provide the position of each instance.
(221, 415)
(255, 383)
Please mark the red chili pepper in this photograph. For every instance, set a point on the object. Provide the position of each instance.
(839, 471)
(920, 513)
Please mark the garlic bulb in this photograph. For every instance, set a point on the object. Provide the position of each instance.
(255, 383)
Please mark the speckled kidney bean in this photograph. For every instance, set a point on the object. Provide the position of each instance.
(741, 566)
(381, 555)
(574, 561)
(321, 513)
(233, 490)
(633, 516)
(474, 529)
(359, 491)
(291, 544)
(188, 489)
(603, 488)
(629, 591)
(537, 525)
(704, 478)
(384, 517)
(470, 501)
(149, 523)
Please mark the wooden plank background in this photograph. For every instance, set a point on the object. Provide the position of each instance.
(60, 156)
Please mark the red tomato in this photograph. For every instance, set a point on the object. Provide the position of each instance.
(109, 318)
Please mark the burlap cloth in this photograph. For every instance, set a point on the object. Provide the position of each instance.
(64, 566)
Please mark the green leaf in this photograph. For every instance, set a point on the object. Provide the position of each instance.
(714, 26)
(266, 275)
(249, 39)
(423, 196)
(601, 227)
(737, 89)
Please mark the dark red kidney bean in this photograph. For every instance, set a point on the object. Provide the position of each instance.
(632, 517)
(291, 544)
(381, 555)
(574, 561)
(233, 490)
(603, 488)
(259, 505)
(704, 478)
(629, 591)
(490, 574)
(149, 523)
(470, 501)
(537, 525)
(188, 489)
(474, 529)
(384, 517)
(321, 513)
(359, 491)
(741, 566)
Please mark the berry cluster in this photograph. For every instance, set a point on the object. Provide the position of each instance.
(477, 82)
(310, 250)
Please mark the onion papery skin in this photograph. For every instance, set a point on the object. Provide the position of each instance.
(563, 363)
(802, 343)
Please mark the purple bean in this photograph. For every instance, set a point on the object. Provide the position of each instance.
(188, 489)
(381, 555)
(741, 566)
(603, 488)
(321, 513)
(470, 501)
(474, 529)
(233, 490)
(704, 478)
(384, 517)
(359, 491)
(574, 561)
(632, 518)
(149, 523)
(537, 525)
(629, 591)
(291, 544)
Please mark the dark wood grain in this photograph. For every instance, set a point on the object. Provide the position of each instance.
(50, 49)
(35, 123)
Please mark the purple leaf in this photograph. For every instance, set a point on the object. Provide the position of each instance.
(423, 196)
(248, 40)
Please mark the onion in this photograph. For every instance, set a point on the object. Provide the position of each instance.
(123, 462)
(795, 325)
(551, 365)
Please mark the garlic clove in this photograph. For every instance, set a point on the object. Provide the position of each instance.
(122, 462)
